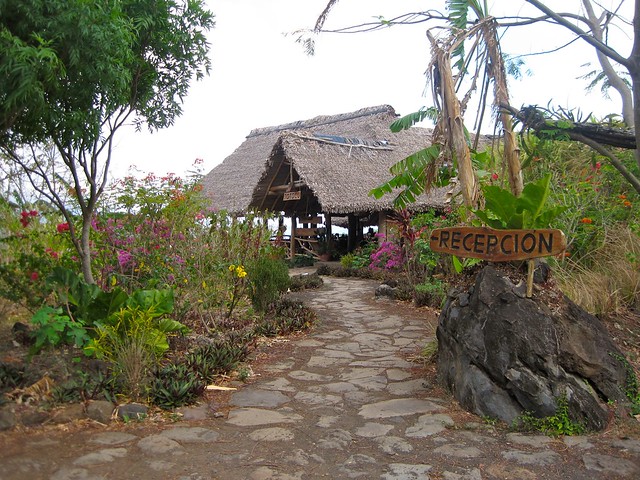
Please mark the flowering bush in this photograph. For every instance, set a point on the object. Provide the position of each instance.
(388, 256)
(29, 250)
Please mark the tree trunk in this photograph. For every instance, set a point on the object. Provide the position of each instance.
(85, 250)
(454, 125)
(616, 82)
(634, 72)
(501, 97)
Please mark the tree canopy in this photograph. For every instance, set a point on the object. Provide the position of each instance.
(73, 72)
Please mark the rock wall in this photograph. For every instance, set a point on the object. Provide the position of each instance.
(501, 354)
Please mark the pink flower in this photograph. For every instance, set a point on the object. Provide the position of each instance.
(62, 227)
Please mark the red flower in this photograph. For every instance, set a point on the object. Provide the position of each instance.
(494, 176)
(63, 227)
(34, 276)
(627, 203)
(622, 197)
(586, 220)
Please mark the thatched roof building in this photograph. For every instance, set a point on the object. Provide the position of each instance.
(334, 161)
(325, 165)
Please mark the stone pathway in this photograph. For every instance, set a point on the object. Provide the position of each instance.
(347, 403)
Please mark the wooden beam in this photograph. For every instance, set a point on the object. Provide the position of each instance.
(267, 191)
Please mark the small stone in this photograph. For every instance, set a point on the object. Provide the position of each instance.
(132, 411)
(34, 418)
(100, 457)
(612, 465)
(274, 434)
(159, 444)
(403, 471)
(459, 451)
(69, 413)
(112, 438)
(385, 291)
(394, 445)
(463, 299)
(191, 434)
(8, 419)
(537, 458)
(100, 411)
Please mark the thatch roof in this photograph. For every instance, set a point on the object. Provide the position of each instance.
(337, 159)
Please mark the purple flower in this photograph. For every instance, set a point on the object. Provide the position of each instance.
(124, 258)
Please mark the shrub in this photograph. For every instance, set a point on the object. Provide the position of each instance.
(302, 282)
(221, 356)
(301, 260)
(269, 278)
(288, 316)
(431, 293)
(554, 425)
(175, 385)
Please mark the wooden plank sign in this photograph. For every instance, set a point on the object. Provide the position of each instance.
(296, 195)
(497, 245)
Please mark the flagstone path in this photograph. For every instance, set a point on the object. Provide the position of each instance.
(343, 402)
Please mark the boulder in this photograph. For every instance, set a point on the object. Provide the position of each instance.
(501, 354)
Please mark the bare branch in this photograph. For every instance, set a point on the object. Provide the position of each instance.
(590, 39)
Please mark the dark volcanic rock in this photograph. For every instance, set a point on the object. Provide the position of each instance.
(501, 354)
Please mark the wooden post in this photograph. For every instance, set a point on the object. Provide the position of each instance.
(531, 268)
(292, 246)
(327, 224)
(352, 240)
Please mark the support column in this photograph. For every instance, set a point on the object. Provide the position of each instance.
(352, 239)
(292, 246)
(327, 225)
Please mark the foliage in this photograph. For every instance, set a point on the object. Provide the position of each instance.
(388, 256)
(288, 316)
(360, 257)
(29, 250)
(554, 425)
(269, 278)
(107, 63)
(85, 385)
(505, 210)
(175, 385)
(305, 281)
(631, 386)
(220, 356)
(301, 260)
(53, 327)
(430, 293)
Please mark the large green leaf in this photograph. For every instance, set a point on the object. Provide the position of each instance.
(159, 301)
(409, 176)
(406, 122)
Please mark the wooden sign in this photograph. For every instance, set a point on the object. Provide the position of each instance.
(497, 245)
(288, 196)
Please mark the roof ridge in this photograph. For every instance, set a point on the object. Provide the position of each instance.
(323, 120)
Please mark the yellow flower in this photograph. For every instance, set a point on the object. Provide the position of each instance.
(114, 280)
(204, 284)
(232, 267)
(240, 272)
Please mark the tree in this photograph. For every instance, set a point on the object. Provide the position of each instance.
(464, 18)
(74, 72)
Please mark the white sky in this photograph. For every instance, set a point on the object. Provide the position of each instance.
(261, 78)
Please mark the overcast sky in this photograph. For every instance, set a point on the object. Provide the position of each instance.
(260, 77)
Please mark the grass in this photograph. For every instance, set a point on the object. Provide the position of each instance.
(612, 282)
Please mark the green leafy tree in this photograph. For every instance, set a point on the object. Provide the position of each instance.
(74, 72)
